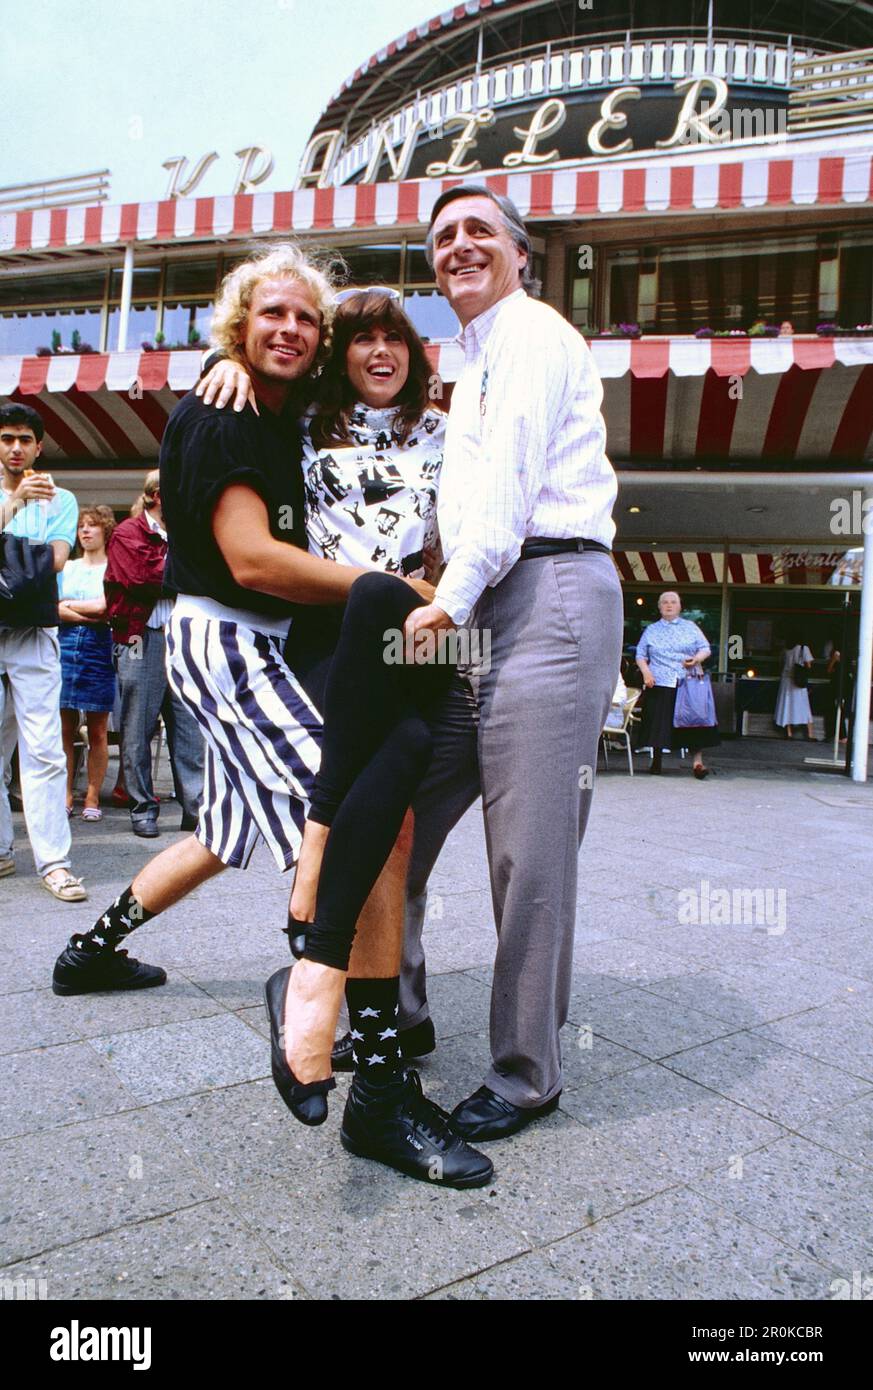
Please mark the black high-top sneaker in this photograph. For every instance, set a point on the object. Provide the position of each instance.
(80, 971)
(397, 1125)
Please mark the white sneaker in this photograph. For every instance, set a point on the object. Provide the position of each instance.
(7, 867)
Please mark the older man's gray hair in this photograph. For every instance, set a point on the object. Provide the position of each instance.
(510, 216)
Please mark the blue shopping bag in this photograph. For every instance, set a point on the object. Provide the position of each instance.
(695, 706)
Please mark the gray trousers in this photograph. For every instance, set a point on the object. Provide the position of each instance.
(144, 693)
(525, 733)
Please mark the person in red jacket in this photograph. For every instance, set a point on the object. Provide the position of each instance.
(138, 613)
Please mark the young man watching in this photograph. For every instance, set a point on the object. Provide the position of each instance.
(232, 495)
(138, 613)
(30, 668)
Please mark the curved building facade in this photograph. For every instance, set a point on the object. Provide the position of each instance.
(699, 190)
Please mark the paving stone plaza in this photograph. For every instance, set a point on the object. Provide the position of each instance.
(714, 1138)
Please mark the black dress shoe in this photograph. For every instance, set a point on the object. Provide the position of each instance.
(189, 823)
(306, 1101)
(397, 1125)
(91, 972)
(145, 829)
(414, 1042)
(485, 1115)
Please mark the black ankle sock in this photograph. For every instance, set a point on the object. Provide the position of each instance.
(118, 921)
(373, 1006)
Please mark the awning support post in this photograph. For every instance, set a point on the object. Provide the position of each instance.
(126, 292)
(861, 722)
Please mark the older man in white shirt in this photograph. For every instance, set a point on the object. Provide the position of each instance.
(525, 508)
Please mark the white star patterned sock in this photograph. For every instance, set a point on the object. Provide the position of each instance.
(373, 1022)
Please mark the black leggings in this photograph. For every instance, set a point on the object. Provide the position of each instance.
(376, 749)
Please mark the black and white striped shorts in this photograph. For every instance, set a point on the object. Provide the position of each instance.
(262, 733)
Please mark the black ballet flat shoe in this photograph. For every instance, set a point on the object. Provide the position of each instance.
(306, 1101)
(296, 934)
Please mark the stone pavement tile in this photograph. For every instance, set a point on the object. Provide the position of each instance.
(650, 1025)
(175, 1059)
(719, 948)
(816, 1200)
(355, 1229)
(673, 1246)
(835, 1034)
(618, 918)
(39, 1018)
(27, 957)
(587, 1057)
(588, 988)
(255, 1017)
(635, 962)
(557, 1176)
(458, 1004)
(848, 1130)
(55, 1086)
(716, 993)
(638, 876)
(244, 1135)
(850, 952)
(86, 1179)
(673, 1125)
(238, 983)
(202, 1252)
(770, 1079)
(651, 905)
(459, 947)
(215, 939)
(789, 986)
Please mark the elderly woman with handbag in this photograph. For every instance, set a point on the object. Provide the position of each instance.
(678, 708)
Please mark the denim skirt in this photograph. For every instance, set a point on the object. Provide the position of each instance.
(87, 674)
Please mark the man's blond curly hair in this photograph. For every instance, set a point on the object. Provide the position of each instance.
(285, 261)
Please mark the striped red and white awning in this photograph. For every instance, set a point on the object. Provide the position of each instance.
(654, 357)
(787, 399)
(785, 567)
(800, 172)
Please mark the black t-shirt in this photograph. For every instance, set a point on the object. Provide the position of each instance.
(204, 451)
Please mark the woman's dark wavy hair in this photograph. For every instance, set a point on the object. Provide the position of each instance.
(336, 395)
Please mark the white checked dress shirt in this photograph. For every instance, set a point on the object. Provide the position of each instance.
(524, 452)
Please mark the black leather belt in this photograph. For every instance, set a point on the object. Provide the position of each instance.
(538, 546)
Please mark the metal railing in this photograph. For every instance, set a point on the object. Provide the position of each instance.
(70, 191)
(626, 60)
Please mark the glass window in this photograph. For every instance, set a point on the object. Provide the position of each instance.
(856, 286)
(27, 333)
(733, 287)
(700, 605)
(432, 315)
(53, 289)
(146, 282)
(624, 279)
(191, 278)
(372, 265)
(186, 325)
(140, 326)
(417, 269)
(581, 282)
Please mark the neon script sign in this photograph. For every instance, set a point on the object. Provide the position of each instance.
(701, 119)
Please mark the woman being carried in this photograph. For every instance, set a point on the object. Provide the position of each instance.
(372, 456)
